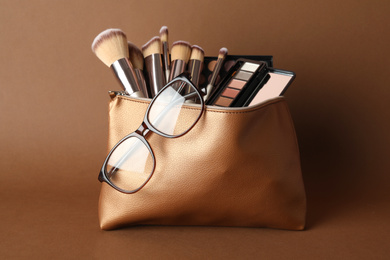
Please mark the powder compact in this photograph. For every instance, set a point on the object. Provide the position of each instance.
(275, 84)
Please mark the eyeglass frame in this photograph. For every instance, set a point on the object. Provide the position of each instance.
(145, 128)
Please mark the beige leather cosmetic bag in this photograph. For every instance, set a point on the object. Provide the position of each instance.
(236, 167)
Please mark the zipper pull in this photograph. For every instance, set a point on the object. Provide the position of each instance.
(113, 93)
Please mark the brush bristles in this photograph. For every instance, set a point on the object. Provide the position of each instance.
(135, 56)
(222, 53)
(164, 34)
(181, 50)
(110, 46)
(197, 53)
(152, 47)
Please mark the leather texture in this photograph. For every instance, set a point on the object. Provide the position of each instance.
(236, 167)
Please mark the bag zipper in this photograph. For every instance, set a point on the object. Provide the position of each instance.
(114, 93)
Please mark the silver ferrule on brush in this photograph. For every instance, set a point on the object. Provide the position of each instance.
(167, 60)
(126, 75)
(194, 68)
(155, 73)
(177, 67)
(141, 81)
(210, 86)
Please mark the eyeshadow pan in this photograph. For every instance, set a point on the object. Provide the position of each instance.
(223, 102)
(211, 65)
(243, 75)
(230, 92)
(249, 66)
(238, 84)
(229, 64)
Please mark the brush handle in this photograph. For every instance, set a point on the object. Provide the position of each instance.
(167, 60)
(216, 70)
(195, 68)
(209, 90)
(177, 68)
(141, 81)
(210, 86)
(124, 71)
(155, 74)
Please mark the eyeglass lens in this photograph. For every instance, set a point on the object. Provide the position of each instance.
(130, 164)
(167, 114)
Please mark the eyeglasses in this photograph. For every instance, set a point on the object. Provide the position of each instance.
(131, 162)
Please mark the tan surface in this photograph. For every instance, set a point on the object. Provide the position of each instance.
(53, 98)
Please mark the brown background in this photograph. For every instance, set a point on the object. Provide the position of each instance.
(53, 114)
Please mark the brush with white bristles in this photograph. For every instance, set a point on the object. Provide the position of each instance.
(165, 51)
(110, 46)
(153, 63)
(137, 59)
(180, 54)
(210, 87)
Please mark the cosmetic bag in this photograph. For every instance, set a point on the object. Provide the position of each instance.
(235, 167)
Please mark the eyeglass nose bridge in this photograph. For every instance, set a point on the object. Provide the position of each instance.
(143, 129)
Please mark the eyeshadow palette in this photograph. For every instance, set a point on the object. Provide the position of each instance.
(239, 83)
(230, 61)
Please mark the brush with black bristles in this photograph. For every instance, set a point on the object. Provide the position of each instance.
(210, 87)
(110, 46)
(153, 63)
(137, 59)
(165, 50)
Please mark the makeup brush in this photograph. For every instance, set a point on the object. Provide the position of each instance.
(210, 87)
(165, 50)
(195, 64)
(153, 63)
(110, 46)
(180, 54)
(137, 59)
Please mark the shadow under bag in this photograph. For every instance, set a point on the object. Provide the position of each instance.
(236, 167)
